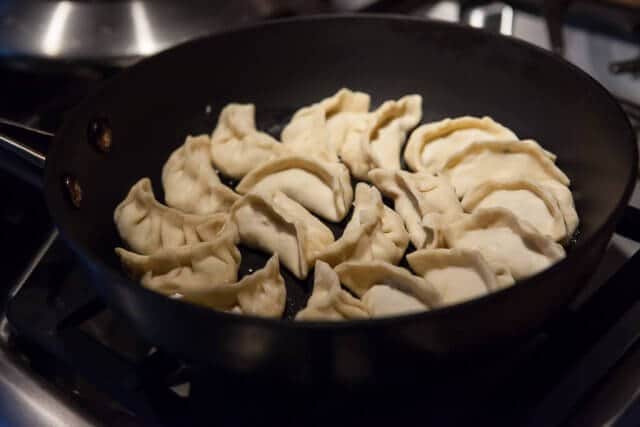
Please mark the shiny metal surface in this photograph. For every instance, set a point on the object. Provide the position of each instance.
(122, 31)
(496, 17)
(108, 31)
(28, 143)
(26, 400)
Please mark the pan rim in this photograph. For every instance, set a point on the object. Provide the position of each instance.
(116, 278)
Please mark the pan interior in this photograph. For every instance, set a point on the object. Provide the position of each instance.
(280, 67)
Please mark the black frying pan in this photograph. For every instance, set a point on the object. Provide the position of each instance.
(283, 65)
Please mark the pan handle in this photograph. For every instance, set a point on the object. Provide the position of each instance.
(27, 143)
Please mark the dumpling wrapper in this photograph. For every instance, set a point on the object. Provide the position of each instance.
(376, 139)
(191, 272)
(312, 129)
(503, 240)
(361, 276)
(384, 300)
(342, 110)
(329, 301)
(190, 182)
(237, 146)
(527, 200)
(276, 224)
(307, 135)
(345, 101)
(205, 273)
(458, 274)
(425, 202)
(500, 161)
(323, 188)
(375, 232)
(564, 198)
(146, 225)
(430, 145)
(261, 293)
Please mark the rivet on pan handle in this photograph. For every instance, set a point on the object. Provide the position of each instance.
(73, 189)
(99, 134)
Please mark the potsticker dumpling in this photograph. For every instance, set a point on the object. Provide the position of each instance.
(146, 225)
(500, 161)
(276, 224)
(375, 232)
(204, 276)
(389, 132)
(385, 300)
(564, 197)
(323, 188)
(458, 274)
(505, 241)
(425, 202)
(237, 146)
(190, 182)
(345, 101)
(342, 110)
(329, 301)
(375, 140)
(362, 276)
(430, 145)
(261, 293)
(307, 134)
(529, 201)
(191, 272)
(315, 131)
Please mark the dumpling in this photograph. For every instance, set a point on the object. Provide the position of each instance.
(323, 188)
(329, 301)
(190, 182)
(529, 201)
(203, 274)
(504, 240)
(384, 300)
(237, 146)
(261, 293)
(564, 198)
(501, 161)
(307, 135)
(146, 225)
(458, 274)
(361, 276)
(375, 141)
(345, 101)
(375, 232)
(389, 132)
(317, 130)
(191, 272)
(430, 145)
(424, 201)
(215, 225)
(347, 126)
(341, 110)
(277, 224)
(351, 136)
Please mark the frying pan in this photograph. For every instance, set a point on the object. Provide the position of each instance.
(280, 66)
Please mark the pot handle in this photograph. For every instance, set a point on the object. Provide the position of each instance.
(27, 143)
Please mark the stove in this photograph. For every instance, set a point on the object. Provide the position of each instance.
(66, 359)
